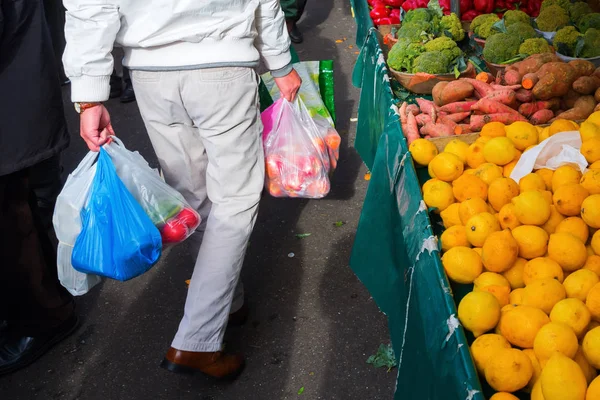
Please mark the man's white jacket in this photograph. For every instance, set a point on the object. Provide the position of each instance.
(169, 35)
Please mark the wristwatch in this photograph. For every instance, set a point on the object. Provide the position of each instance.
(81, 107)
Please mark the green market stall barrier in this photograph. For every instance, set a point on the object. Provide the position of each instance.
(395, 252)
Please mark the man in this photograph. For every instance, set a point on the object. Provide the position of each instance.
(293, 10)
(36, 312)
(192, 66)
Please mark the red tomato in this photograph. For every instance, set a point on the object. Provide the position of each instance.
(273, 166)
(173, 232)
(188, 217)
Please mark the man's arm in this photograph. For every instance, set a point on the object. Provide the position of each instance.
(90, 29)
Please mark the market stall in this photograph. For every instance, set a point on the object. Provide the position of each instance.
(397, 251)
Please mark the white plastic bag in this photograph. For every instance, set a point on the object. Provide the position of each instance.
(67, 225)
(556, 151)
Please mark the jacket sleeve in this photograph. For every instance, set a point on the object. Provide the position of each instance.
(273, 41)
(90, 29)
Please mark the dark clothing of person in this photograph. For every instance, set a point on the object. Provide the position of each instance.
(293, 9)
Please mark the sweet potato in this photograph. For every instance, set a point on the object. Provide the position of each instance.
(489, 106)
(597, 95)
(512, 76)
(437, 91)
(402, 112)
(506, 87)
(529, 80)
(482, 88)
(597, 72)
(422, 119)
(524, 95)
(458, 107)
(582, 109)
(586, 84)
(478, 121)
(504, 96)
(583, 67)
(514, 73)
(457, 130)
(437, 130)
(412, 131)
(528, 109)
(597, 108)
(466, 128)
(556, 79)
(413, 109)
(541, 117)
(457, 117)
(455, 91)
(485, 77)
(426, 106)
(568, 100)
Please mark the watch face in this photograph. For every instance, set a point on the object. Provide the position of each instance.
(77, 107)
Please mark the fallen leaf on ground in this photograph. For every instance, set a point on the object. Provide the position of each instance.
(339, 223)
(303, 235)
(368, 176)
(187, 282)
(301, 390)
(384, 357)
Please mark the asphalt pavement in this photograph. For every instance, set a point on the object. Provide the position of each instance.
(312, 324)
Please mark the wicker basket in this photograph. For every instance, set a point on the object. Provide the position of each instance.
(422, 83)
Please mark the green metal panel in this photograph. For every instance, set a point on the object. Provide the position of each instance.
(363, 20)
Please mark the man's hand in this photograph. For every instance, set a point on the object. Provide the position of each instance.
(289, 85)
(95, 127)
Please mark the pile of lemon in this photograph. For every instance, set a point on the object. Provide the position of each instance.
(531, 251)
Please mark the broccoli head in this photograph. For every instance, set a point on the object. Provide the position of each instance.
(564, 4)
(535, 46)
(418, 14)
(578, 10)
(589, 21)
(416, 31)
(403, 53)
(552, 18)
(514, 16)
(431, 62)
(482, 25)
(444, 44)
(451, 23)
(565, 40)
(501, 48)
(591, 44)
(522, 31)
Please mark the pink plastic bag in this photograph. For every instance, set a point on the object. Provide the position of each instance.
(299, 153)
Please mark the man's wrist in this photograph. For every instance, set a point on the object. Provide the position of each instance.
(80, 107)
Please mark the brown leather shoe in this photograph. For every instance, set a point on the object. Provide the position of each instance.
(214, 364)
(239, 317)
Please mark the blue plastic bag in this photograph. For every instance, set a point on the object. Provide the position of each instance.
(117, 240)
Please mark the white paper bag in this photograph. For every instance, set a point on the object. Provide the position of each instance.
(556, 151)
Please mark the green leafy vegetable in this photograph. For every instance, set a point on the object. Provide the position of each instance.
(384, 357)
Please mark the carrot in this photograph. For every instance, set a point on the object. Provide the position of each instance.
(489, 106)
(505, 96)
(480, 87)
(586, 84)
(478, 121)
(459, 106)
(426, 106)
(412, 131)
(524, 95)
(485, 77)
(422, 119)
(528, 109)
(503, 87)
(402, 112)
(437, 92)
(457, 117)
(437, 130)
(512, 76)
(529, 80)
(582, 109)
(413, 108)
(541, 117)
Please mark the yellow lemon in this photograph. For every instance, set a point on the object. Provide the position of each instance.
(542, 268)
(536, 392)
(546, 175)
(501, 192)
(438, 194)
(483, 139)
(462, 264)
(590, 250)
(423, 151)
(453, 237)
(478, 251)
(493, 129)
(593, 391)
(562, 379)
(544, 134)
(531, 208)
(591, 347)
(590, 149)
(490, 279)
(458, 148)
(595, 165)
(573, 313)
(588, 130)
(522, 134)
(575, 226)
(555, 337)
(485, 346)
(555, 219)
(516, 296)
(588, 371)
(543, 294)
(507, 217)
(499, 151)
(514, 274)
(501, 293)
(503, 396)
(509, 370)
(590, 211)
(450, 216)
(508, 168)
(446, 166)
(499, 251)
(579, 283)
(470, 208)
(475, 155)
(531, 181)
(591, 181)
(595, 242)
(594, 118)
(565, 175)
(479, 312)
(430, 171)
(537, 369)
(547, 195)
(567, 250)
(469, 186)
(593, 301)
(521, 324)
(568, 198)
(593, 264)
(562, 125)
(532, 241)
(479, 227)
(488, 172)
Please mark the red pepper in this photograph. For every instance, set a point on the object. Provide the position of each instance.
(470, 15)
(379, 12)
(409, 5)
(445, 4)
(393, 3)
(511, 6)
(466, 5)
(377, 4)
(485, 6)
(422, 3)
(500, 5)
(395, 13)
(384, 21)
